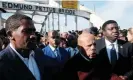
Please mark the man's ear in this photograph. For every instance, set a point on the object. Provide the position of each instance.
(10, 36)
(103, 32)
(9, 33)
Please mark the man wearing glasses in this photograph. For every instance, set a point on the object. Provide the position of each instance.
(21, 60)
(56, 56)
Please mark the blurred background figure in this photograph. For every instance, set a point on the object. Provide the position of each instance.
(122, 35)
(100, 34)
(72, 45)
(44, 41)
(64, 35)
(1, 44)
(69, 42)
(130, 35)
(3, 32)
(56, 56)
(4, 41)
(38, 39)
(63, 43)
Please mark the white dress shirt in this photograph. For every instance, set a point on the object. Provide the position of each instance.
(109, 47)
(53, 49)
(30, 63)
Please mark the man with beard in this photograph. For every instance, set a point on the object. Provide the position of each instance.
(56, 56)
(114, 54)
(83, 65)
(19, 61)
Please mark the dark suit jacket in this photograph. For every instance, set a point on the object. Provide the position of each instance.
(123, 65)
(52, 65)
(78, 68)
(13, 68)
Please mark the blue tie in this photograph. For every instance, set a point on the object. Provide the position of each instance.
(57, 54)
(113, 55)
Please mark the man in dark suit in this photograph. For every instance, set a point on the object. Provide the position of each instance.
(56, 56)
(114, 54)
(19, 60)
(83, 65)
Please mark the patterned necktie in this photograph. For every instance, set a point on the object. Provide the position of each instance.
(55, 52)
(113, 55)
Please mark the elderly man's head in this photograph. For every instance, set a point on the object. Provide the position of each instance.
(92, 30)
(87, 46)
(21, 31)
(54, 38)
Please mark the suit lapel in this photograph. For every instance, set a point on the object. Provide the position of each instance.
(120, 49)
(50, 52)
(60, 53)
(19, 67)
(63, 55)
(39, 58)
(104, 50)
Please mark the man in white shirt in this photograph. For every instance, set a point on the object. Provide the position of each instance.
(19, 61)
(114, 54)
(109, 47)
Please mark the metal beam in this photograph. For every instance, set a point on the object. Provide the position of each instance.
(44, 22)
(1, 19)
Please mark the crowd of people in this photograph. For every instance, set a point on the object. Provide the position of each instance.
(90, 54)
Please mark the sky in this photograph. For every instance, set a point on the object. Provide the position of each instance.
(71, 25)
(119, 10)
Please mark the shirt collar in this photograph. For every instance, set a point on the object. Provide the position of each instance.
(31, 53)
(53, 48)
(108, 43)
